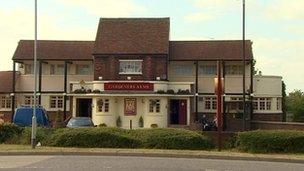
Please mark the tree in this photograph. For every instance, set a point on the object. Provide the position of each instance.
(295, 105)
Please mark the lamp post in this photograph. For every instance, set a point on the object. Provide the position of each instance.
(34, 119)
(244, 69)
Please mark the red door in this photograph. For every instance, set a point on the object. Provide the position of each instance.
(182, 116)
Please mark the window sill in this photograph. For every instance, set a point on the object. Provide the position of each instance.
(121, 73)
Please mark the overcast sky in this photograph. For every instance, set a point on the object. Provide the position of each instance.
(276, 27)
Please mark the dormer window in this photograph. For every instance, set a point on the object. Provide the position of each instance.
(130, 66)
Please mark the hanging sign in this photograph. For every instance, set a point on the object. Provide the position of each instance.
(130, 106)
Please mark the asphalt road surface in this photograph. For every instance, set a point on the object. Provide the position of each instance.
(116, 163)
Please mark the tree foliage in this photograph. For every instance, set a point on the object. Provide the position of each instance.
(295, 105)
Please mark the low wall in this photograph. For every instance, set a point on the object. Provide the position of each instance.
(264, 125)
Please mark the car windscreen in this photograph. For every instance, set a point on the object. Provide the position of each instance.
(80, 122)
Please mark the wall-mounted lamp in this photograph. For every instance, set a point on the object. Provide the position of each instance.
(100, 78)
(158, 78)
(12, 94)
(129, 78)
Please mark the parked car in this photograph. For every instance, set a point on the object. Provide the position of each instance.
(78, 122)
(23, 116)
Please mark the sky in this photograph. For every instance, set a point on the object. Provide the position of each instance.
(276, 27)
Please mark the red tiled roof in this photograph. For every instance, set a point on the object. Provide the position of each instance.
(6, 81)
(210, 50)
(51, 49)
(132, 36)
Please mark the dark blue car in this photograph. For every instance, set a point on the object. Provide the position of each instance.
(23, 116)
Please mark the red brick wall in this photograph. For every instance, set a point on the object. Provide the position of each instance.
(6, 116)
(277, 117)
(108, 67)
(276, 125)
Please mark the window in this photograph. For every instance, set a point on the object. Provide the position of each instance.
(279, 104)
(237, 103)
(207, 70)
(185, 70)
(6, 102)
(28, 69)
(56, 102)
(210, 103)
(154, 106)
(29, 100)
(234, 70)
(130, 66)
(57, 69)
(262, 104)
(103, 105)
(83, 69)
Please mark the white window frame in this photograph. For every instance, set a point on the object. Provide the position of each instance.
(183, 69)
(58, 102)
(279, 103)
(234, 69)
(154, 105)
(212, 103)
(54, 69)
(103, 105)
(6, 102)
(81, 65)
(209, 70)
(30, 99)
(131, 72)
(262, 104)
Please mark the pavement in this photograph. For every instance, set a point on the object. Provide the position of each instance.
(18, 150)
(135, 163)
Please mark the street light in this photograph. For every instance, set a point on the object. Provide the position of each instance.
(34, 119)
(244, 68)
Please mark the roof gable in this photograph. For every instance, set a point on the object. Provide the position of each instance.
(132, 36)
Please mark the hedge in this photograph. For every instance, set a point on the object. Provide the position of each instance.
(274, 141)
(171, 139)
(8, 132)
(92, 138)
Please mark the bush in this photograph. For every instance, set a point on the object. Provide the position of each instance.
(271, 141)
(42, 136)
(93, 138)
(171, 139)
(8, 132)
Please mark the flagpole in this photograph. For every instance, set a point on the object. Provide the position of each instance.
(34, 120)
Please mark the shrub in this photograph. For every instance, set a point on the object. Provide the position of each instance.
(171, 139)
(93, 138)
(8, 132)
(271, 141)
(42, 135)
(170, 91)
(96, 91)
(141, 122)
(102, 125)
(118, 121)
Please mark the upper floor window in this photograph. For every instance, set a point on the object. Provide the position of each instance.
(6, 102)
(57, 69)
(154, 106)
(262, 104)
(83, 69)
(185, 70)
(207, 70)
(130, 66)
(28, 69)
(56, 102)
(234, 69)
(279, 104)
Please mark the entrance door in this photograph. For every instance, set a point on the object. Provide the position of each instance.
(178, 112)
(84, 108)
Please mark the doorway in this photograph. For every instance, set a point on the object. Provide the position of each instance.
(178, 112)
(84, 108)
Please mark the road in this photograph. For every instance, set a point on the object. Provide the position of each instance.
(124, 163)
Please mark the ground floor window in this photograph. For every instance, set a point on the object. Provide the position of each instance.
(262, 104)
(6, 102)
(154, 105)
(210, 103)
(279, 104)
(29, 100)
(103, 105)
(56, 102)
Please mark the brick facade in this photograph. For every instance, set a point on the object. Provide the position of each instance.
(276, 117)
(107, 67)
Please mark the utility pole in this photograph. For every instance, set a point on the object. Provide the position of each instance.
(244, 70)
(34, 118)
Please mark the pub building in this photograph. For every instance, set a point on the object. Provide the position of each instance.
(133, 76)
